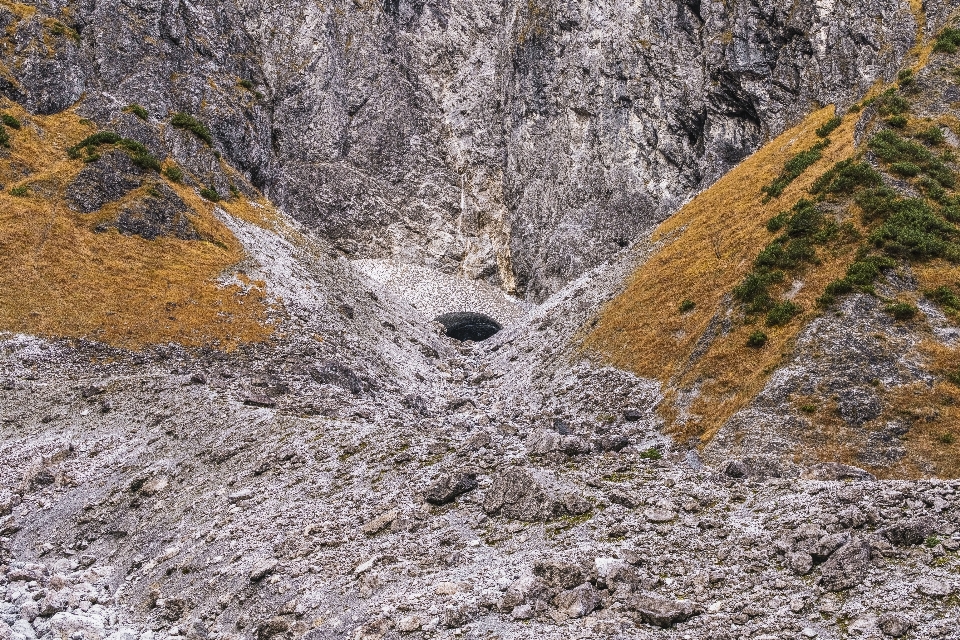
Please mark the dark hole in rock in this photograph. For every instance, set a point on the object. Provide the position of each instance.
(467, 325)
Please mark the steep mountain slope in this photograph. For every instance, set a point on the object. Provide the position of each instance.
(477, 137)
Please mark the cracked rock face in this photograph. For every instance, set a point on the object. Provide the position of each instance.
(521, 143)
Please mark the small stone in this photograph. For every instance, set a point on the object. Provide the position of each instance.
(522, 612)
(800, 563)
(809, 632)
(934, 588)
(446, 588)
(408, 624)
(239, 496)
(894, 625)
(577, 602)
(381, 522)
(256, 399)
(449, 487)
(262, 569)
(663, 612)
(660, 515)
(198, 378)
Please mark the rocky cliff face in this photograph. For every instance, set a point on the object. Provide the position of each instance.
(521, 143)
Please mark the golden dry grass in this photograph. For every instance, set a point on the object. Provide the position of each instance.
(643, 331)
(59, 278)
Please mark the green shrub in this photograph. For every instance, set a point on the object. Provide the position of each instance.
(139, 154)
(21, 191)
(901, 310)
(138, 111)
(905, 77)
(210, 193)
(897, 122)
(777, 222)
(846, 177)
(145, 160)
(785, 254)
(59, 29)
(174, 172)
(754, 290)
(914, 230)
(905, 169)
(933, 135)
(4, 138)
(651, 454)
(945, 297)
(947, 41)
(865, 270)
(782, 313)
(757, 339)
(829, 126)
(808, 408)
(933, 189)
(891, 103)
(946, 438)
(191, 124)
(891, 148)
(10, 121)
(687, 305)
(794, 167)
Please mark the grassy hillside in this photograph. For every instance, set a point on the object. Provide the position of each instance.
(69, 274)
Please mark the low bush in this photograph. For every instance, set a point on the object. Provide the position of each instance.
(947, 41)
(651, 454)
(687, 305)
(10, 121)
(905, 169)
(829, 126)
(210, 193)
(946, 438)
(4, 138)
(897, 122)
(893, 149)
(782, 313)
(87, 147)
(945, 297)
(901, 310)
(846, 177)
(933, 135)
(891, 103)
(174, 172)
(21, 191)
(777, 222)
(138, 111)
(757, 339)
(794, 167)
(754, 291)
(191, 124)
(913, 230)
(905, 77)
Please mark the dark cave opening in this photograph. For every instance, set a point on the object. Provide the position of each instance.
(468, 325)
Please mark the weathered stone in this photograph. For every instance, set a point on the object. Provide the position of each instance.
(449, 487)
(577, 602)
(663, 612)
(847, 567)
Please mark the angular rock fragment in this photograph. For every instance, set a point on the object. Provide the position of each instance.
(577, 602)
(909, 532)
(103, 181)
(262, 569)
(847, 567)
(381, 522)
(663, 612)
(449, 487)
(517, 495)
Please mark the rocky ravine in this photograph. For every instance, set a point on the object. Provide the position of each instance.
(518, 142)
(364, 477)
